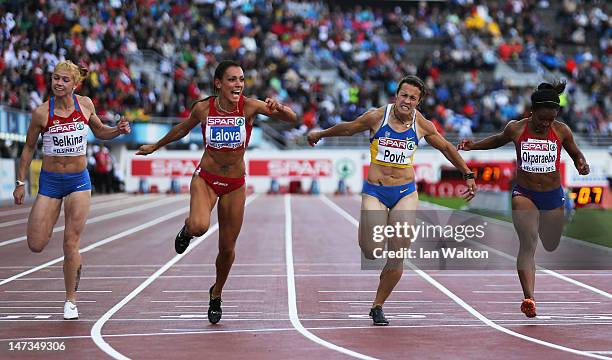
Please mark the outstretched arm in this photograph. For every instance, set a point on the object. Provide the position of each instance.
(436, 140)
(100, 130)
(364, 122)
(572, 149)
(274, 109)
(178, 131)
(491, 142)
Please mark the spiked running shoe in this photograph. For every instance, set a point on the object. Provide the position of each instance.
(528, 307)
(214, 308)
(182, 240)
(70, 311)
(378, 316)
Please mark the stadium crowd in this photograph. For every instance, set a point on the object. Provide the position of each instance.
(368, 47)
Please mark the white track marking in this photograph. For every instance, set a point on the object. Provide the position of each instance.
(473, 311)
(135, 229)
(96, 330)
(291, 293)
(96, 219)
(96, 206)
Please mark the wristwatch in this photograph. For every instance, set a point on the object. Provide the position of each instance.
(468, 176)
(19, 183)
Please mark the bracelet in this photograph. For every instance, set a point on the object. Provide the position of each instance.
(468, 176)
(19, 183)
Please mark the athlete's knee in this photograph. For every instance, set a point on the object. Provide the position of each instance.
(371, 251)
(197, 228)
(35, 246)
(550, 245)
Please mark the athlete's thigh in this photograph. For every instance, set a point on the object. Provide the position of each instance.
(76, 209)
(404, 215)
(525, 217)
(202, 201)
(231, 214)
(551, 227)
(43, 217)
(372, 221)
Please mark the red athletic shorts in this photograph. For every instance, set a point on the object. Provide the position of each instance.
(220, 184)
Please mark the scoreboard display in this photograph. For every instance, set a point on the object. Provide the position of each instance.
(588, 196)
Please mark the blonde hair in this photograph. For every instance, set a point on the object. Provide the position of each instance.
(78, 73)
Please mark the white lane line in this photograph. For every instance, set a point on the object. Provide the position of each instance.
(478, 315)
(96, 206)
(104, 217)
(366, 291)
(55, 291)
(520, 292)
(135, 229)
(96, 330)
(548, 302)
(27, 209)
(291, 293)
(206, 291)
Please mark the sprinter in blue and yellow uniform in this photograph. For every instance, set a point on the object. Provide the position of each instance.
(395, 131)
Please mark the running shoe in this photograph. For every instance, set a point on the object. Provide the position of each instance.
(182, 240)
(70, 311)
(214, 309)
(528, 307)
(378, 316)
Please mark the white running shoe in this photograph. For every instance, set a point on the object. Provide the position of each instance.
(70, 311)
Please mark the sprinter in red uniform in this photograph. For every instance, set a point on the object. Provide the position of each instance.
(226, 120)
(538, 198)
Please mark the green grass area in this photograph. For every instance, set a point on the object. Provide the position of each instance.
(592, 225)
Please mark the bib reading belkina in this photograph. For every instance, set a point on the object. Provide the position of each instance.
(65, 136)
(226, 132)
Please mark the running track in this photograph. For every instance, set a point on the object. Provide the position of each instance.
(296, 291)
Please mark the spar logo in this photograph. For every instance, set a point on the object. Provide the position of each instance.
(393, 143)
(62, 128)
(539, 146)
(225, 121)
(292, 167)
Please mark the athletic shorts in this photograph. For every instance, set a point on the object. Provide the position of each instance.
(58, 186)
(220, 184)
(543, 200)
(388, 195)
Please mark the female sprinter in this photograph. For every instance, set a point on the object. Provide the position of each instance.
(537, 198)
(63, 121)
(226, 120)
(395, 131)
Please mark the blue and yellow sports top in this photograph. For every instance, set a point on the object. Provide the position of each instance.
(391, 148)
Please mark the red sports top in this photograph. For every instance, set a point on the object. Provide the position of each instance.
(538, 155)
(226, 131)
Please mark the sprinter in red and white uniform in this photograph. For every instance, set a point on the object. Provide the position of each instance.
(226, 120)
(63, 121)
(538, 198)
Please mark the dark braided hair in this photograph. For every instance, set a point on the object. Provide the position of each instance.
(547, 95)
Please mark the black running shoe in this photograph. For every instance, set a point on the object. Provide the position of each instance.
(378, 316)
(214, 309)
(181, 242)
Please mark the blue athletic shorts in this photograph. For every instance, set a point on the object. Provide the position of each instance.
(388, 195)
(543, 200)
(58, 186)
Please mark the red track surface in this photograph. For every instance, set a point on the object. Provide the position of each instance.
(131, 308)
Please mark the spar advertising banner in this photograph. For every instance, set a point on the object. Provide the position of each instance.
(328, 167)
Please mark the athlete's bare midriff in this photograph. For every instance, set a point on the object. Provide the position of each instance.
(389, 176)
(224, 163)
(64, 164)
